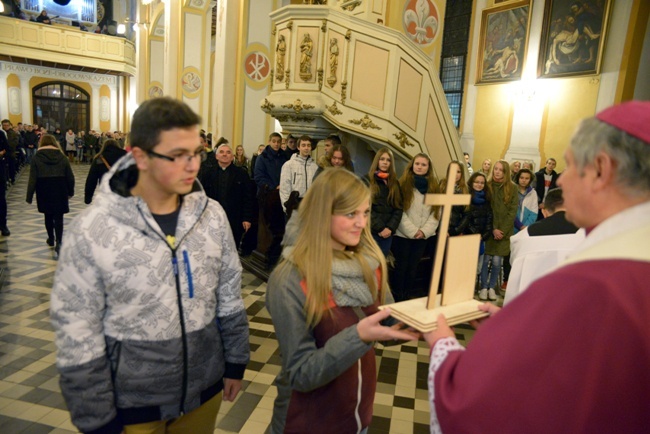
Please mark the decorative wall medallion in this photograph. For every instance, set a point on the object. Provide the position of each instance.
(155, 92)
(365, 123)
(298, 106)
(334, 109)
(14, 101)
(191, 82)
(267, 105)
(257, 66)
(104, 109)
(403, 139)
(421, 20)
(306, 51)
(280, 52)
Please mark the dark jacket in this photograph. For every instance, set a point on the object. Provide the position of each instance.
(268, 168)
(98, 169)
(456, 216)
(31, 139)
(539, 183)
(231, 188)
(52, 180)
(556, 224)
(478, 220)
(382, 214)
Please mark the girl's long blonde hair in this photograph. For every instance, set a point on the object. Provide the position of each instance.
(408, 184)
(334, 192)
(394, 193)
(509, 187)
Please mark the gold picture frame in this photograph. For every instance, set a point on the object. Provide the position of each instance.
(573, 38)
(503, 42)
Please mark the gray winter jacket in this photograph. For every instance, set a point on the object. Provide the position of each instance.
(146, 332)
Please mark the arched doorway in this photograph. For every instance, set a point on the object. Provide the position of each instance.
(61, 105)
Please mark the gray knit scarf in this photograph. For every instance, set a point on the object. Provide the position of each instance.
(348, 285)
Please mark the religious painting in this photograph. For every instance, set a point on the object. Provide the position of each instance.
(503, 42)
(573, 37)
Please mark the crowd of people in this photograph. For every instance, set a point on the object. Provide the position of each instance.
(151, 327)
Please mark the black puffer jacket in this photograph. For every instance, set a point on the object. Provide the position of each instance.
(383, 215)
(51, 178)
(458, 213)
(478, 220)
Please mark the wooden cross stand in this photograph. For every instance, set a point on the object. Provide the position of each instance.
(460, 254)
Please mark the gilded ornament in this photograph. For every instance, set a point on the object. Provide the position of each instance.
(334, 61)
(306, 51)
(267, 105)
(280, 52)
(320, 78)
(334, 109)
(290, 25)
(348, 35)
(323, 27)
(403, 139)
(344, 86)
(286, 78)
(365, 123)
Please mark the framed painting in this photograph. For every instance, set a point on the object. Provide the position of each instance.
(503, 42)
(573, 37)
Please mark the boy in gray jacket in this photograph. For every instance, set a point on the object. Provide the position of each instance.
(150, 325)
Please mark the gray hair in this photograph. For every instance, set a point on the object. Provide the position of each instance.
(632, 155)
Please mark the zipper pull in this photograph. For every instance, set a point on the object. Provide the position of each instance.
(188, 271)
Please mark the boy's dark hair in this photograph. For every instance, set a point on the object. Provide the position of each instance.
(553, 200)
(278, 135)
(336, 140)
(157, 115)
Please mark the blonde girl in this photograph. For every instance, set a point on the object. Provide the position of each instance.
(323, 299)
(417, 229)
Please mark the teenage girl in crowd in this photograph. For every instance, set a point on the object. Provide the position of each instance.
(504, 209)
(528, 207)
(51, 178)
(416, 229)
(386, 199)
(460, 187)
(240, 158)
(323, 299)
(338, 158)
(478, 219)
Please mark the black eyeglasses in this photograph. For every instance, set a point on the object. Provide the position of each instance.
(181, 159)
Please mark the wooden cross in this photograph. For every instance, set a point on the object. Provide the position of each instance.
(446, 201)
(460, 254)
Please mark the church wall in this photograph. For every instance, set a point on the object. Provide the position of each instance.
(397, 17)
(18, 80)
(535, 118)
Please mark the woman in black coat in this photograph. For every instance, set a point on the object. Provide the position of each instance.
(52, 180)
(108, 155)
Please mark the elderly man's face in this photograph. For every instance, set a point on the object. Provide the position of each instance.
(576, 191)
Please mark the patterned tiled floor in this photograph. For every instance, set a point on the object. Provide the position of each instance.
(30, 399)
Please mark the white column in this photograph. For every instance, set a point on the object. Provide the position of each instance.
(225, 71)
(467, 141)
(4, 95)
(114, 105)
(173, 28)
(94, 107)
(26, 99)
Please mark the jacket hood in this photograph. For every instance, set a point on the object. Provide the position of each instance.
(50, 156)
(297, 157)
(115, 198)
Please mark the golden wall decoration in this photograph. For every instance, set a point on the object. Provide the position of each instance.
(365, 123)
(306, 52)
(298, 106)
(267, 105)
(403, 139)
(334, 109)
(334, 61)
